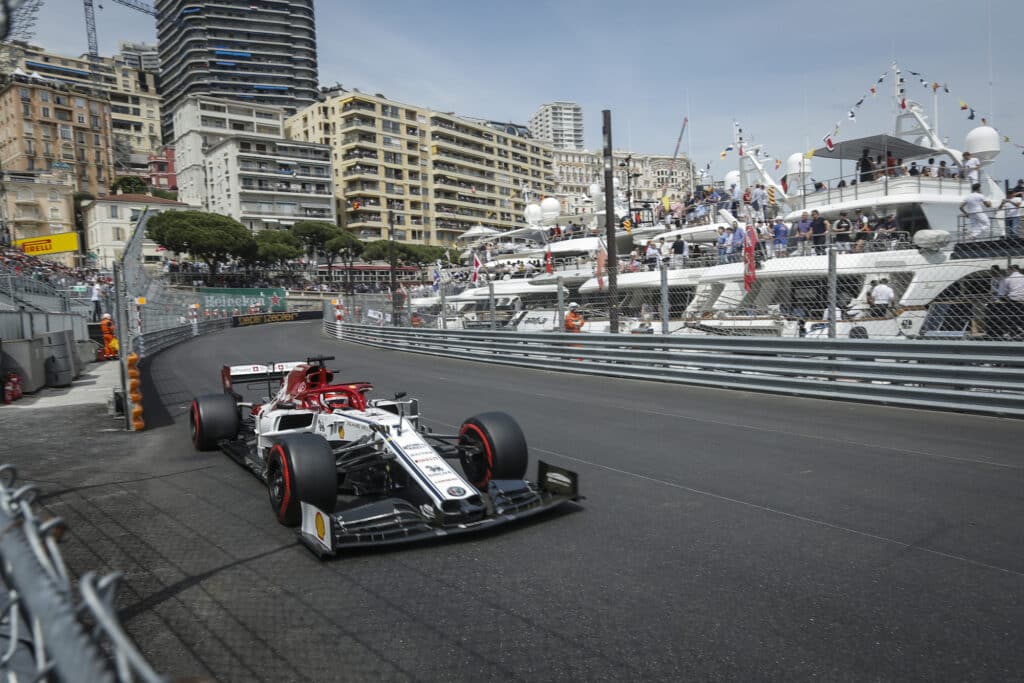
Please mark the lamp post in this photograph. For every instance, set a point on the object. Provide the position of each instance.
(391, 258)
(629, 185)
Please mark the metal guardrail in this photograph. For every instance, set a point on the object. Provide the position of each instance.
(147, 344)
(976, 377)
(47, 631)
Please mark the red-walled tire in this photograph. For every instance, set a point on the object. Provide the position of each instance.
(301, 469)
(212, 419)
(499, 451)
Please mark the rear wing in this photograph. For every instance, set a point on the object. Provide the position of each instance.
(235, 375)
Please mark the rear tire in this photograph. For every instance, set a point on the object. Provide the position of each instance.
(301, 469)
(211, 419)
(501, 451)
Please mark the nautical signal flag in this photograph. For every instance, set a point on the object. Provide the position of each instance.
(935, 87)
(809, 154)
(971, 117)
(828, 144)
(741, 150)
(903, 103)
(724, 154)
(963, 106)
(874, 90)
(548, 265)
(476, 267)
(778, 164)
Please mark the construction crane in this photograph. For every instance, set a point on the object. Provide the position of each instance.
(90, 20)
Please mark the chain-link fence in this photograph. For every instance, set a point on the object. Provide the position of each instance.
(879, 278)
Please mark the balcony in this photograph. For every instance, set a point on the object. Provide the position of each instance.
(361, 170)
(348, 124)
(276, 188)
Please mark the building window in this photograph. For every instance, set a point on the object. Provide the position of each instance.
(79, 102)
(26, 109)
(54, 213)
(54, 196)
(44, 96)
(46, 112)
(81, 119)
(113, 213)
(27, 128)
(26, 94)
(136, 214)
(65, 132)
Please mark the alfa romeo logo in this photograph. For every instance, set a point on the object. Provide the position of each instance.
(456, 491)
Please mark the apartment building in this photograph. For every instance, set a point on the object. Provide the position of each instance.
(437, 173)
(46, 125)
(132, 91)
(204, 122)
(651, 176)
(38, 212)
(162, 173)
(560, 123)
(258, 51)
(110, 222)
(267, 183)
(140, 56)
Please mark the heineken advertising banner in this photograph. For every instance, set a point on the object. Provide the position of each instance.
(244, 301)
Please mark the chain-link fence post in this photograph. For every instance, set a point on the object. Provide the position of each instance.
(560, 314)
(444, 307)
(833, 289)
(664, 296)
(491, 304)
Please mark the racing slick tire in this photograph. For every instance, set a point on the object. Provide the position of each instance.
(301, 469)
(212, 418)
(500, 447)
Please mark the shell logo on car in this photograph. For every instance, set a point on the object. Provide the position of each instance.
(321, 528)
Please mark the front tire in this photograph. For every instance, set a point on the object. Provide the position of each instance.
(497, 449)
(301, 469)
(211, 419)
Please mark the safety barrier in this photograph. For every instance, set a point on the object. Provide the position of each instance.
(976, 377)
(49, 630)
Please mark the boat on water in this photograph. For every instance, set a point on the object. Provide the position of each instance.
(938, 268)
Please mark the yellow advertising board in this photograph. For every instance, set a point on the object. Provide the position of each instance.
(49, 244)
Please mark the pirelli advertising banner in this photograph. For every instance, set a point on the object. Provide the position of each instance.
(264, 318)
(244, 301)
(60, 243)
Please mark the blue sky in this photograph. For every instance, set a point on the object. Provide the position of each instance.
(786, 70)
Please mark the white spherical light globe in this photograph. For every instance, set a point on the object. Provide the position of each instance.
(550, 208)
(532, 214)
(983, 142)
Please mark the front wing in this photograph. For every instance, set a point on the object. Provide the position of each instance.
(393, 521)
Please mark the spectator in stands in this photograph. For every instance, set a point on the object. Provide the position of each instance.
(96, 296)
(863, 234)
(739, 236)
(886, 231)
(680, 251)
(866, 167)
(722, 243)
(652, 255)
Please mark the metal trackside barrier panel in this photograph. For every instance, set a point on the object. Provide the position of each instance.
(977, 377)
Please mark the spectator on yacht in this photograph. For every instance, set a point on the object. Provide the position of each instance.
(1012, 205)
(974, 208)
(760, 202)
(995, 282)
(680, 251)
(882, 297)
(842, 232)
(722, 243)
(886, 231)
(841, 183)
(863, 234)
(866, 167)
(880, 168)
(944, 172)
(652, 256)
(901, 169)
(738, 237)
(890, 164)
(1018, 188)
(819, 232)
(932, 169)
(972, 168)
(803, 234)
(780, 238)
(913, 170)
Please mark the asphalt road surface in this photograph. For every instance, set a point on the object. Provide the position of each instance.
(726, 535)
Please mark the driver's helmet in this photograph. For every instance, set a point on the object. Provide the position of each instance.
(335, 400)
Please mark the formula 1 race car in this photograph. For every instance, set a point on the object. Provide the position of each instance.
(353, 472)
